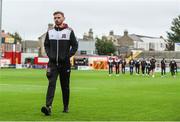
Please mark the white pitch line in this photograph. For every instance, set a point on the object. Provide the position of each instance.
(23, 85)
(29, 85)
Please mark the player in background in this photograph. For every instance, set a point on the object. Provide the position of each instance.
(148, 67)
(110, 63)
(153, 66)
(123, 65)
(163, 67)
(143, 66)
(173, 67)
(117, 63)
(137, 66)
(131, 66)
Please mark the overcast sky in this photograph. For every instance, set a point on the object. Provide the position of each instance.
(147, 17)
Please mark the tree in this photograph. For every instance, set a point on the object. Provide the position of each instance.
(174, 34)
(17, 37)
(104, 47)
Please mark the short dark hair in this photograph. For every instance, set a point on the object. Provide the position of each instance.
(58, 12)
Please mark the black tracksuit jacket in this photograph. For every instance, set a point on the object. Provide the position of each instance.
(60, 44)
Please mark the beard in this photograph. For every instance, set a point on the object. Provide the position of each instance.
(58, 23)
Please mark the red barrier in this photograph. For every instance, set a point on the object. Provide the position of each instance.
(15, 57)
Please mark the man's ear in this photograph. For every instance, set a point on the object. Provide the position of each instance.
(64, 18)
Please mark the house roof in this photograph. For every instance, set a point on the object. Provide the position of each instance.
(135, 37)
(117, 36)
(142, 38)
(154, 40)
(43, 35)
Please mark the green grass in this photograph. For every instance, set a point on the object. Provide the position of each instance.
(94, 96)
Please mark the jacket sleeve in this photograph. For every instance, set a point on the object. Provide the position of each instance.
(170, 64)
(73, 43)
(47, 45)
(175, 64)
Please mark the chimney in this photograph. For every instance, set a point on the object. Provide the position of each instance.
(85, 36)
(111, 33)
(50, 26)
(90, 33)
(125, 33)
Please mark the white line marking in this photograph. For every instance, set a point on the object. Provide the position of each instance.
(43, 86)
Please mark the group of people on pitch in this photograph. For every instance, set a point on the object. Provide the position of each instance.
(147, 66)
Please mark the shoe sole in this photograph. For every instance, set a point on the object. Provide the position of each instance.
(65, 111)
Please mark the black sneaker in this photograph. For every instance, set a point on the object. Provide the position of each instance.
(66, 110)
(46, 110)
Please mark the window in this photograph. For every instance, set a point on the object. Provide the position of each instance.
(151, 46)
(83, 52)
(162, 46)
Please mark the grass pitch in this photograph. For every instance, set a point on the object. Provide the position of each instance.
(94, 96)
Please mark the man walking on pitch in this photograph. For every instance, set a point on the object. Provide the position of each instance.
(60, 44)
